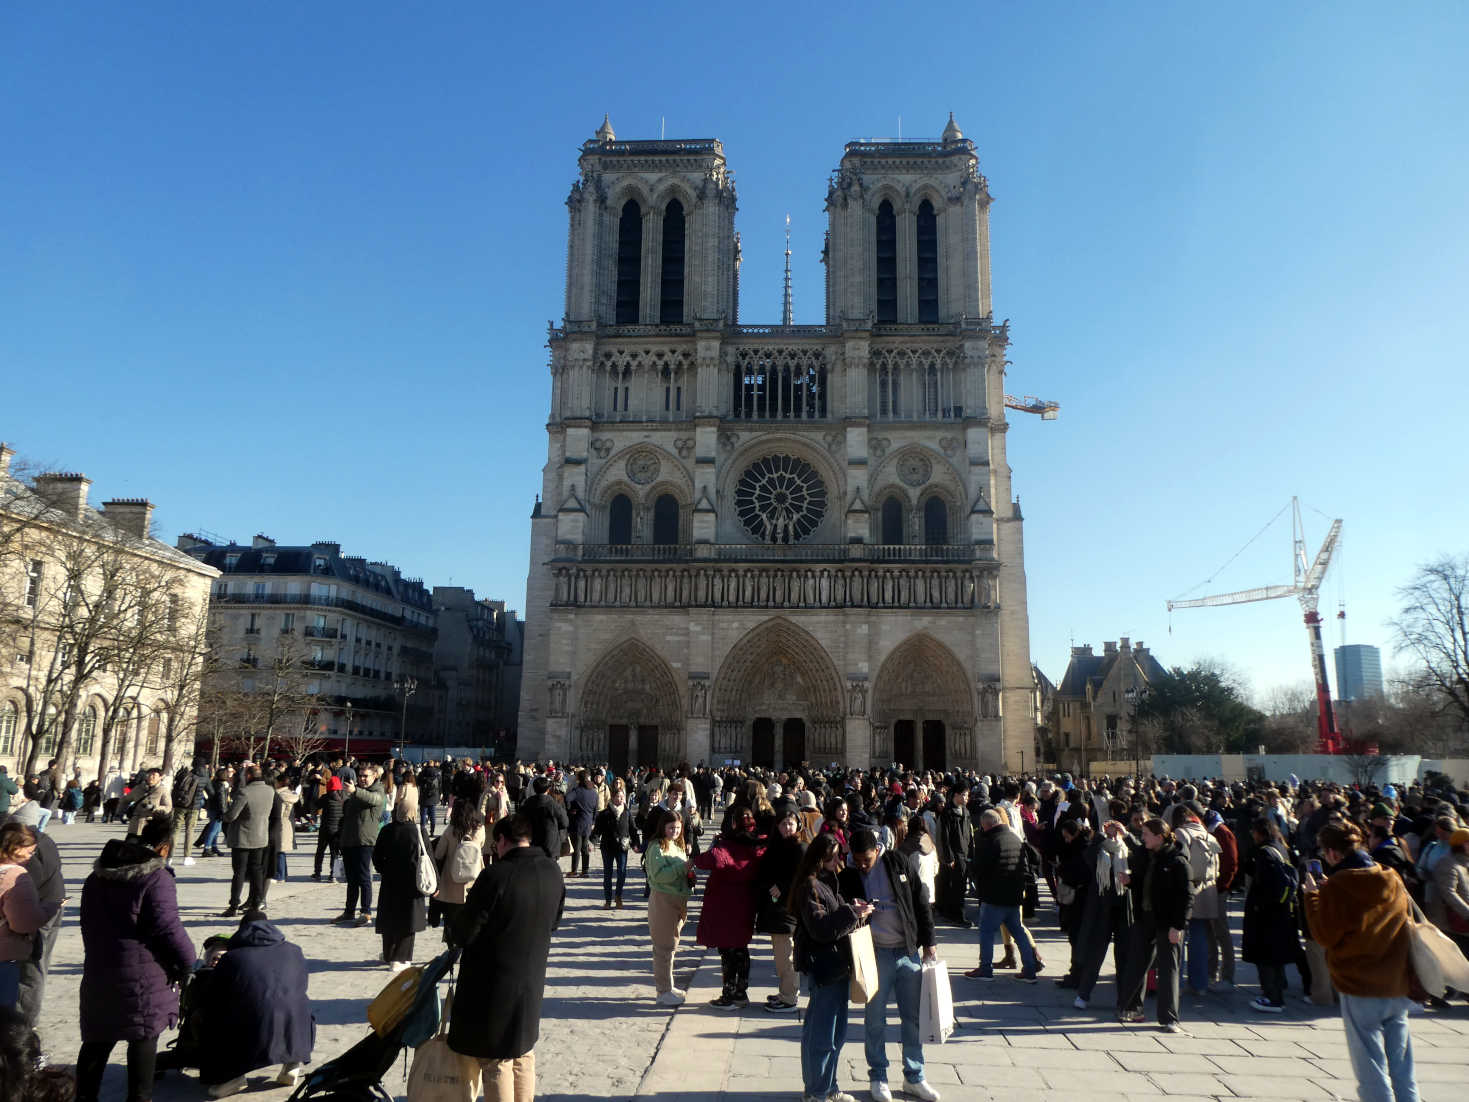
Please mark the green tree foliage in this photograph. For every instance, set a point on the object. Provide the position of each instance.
(1200, 710)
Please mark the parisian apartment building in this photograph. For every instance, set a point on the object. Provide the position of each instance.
(477, 657)
(101, 630)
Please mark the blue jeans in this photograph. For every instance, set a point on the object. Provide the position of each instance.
(991, 917)
(822, 1035)
(428, 815)
(1198, 954)
(902, 973)
(211, 834)
(1380, 1047)
(613, 859)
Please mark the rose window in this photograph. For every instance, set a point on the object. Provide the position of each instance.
(780, 499)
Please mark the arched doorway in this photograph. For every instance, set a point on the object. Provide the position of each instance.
(922, 707)
(905, 746)
(792, 743)
(762, 743)
(629, 710)
(778, 674)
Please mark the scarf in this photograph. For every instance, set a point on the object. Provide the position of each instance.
(1111, 865)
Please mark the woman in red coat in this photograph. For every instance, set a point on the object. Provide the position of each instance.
(727, 918)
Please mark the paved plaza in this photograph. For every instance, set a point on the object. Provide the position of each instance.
(602, 1037)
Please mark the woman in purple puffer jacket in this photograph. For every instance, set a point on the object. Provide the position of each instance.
(136, 952)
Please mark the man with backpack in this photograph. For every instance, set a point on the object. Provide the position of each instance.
(1204, 855)
(187, 784)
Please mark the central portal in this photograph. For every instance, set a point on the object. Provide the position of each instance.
(793, 743)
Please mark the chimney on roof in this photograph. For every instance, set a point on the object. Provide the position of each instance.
(261, 541)
(1139, 649)
(6, 452)
(188, 541)
(133, 515)
(326, 547)
(65, 492)
(1083, 651)
(1109, 648)
(1124, 645)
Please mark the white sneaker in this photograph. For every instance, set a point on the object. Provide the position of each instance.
(840, 1096)
(674, 997)
(922, 1090)
(188, 861)
(878, 1088)
(291, 1074)
(399, 965)
(1079, 1003)
(224, 1090)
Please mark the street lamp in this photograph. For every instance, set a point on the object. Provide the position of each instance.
(407, 686)
(347, 749)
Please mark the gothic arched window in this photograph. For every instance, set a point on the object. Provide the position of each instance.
(665, 520)
(887, 263)
(892, 521)
(928, 263)
(629, 262)
(86, 733)
(670, 310)
(9, 720)
(935, 522)
(619, 520)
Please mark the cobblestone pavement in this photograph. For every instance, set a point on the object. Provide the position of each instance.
(602, 1037)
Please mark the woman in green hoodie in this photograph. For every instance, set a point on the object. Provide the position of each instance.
(670, 880)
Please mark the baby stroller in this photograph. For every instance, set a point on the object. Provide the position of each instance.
(356, 1075)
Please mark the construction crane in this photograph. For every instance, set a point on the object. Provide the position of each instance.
(1049, 411)
(1305, 589)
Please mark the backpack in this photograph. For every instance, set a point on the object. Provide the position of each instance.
(1203, 858)
(810, 823)
(465, 863)
(185, 788)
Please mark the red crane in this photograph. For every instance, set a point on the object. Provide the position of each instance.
(1305, 589)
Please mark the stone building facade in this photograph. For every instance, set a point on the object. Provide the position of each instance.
(477, 659)
(777, 543)
(1092, 710)
(349, 631)
(74, 578)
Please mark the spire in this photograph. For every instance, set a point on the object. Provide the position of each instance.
(785, 310)
(952, 133)
(604, 132)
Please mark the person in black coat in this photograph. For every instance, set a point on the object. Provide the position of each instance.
(1000, 873)
(428, 798)
(256, 1001)
(1162, 901)
(329, 827)
(1271, 938)
(773, 879)
(956, 830)
(548, 820)
(617, 833)
(505, 930)
(401, 910)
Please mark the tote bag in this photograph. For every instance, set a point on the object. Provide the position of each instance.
(1436, 960)
(935, 1004)
(864, 966)
(428, 875)
(439, 1074)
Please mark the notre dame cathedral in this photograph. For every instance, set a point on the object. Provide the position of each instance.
(777, 543)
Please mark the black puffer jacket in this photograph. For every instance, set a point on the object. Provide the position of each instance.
(777, 870)
(1161, 890)
(998, 867)
(331, 812)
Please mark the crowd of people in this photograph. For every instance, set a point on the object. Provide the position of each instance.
(1330, 880)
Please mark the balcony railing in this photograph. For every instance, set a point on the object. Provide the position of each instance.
(320, 633)
(773, 552)
(311, 599)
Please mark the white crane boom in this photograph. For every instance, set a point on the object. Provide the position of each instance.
(1261, 593)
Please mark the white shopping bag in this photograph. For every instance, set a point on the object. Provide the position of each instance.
(339, 869)
(935, 1004)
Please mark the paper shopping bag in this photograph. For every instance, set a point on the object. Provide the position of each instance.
(864, 966)
(935, 1004)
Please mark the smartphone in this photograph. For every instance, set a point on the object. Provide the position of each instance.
(1313, 866)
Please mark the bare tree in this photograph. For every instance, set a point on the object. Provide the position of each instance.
(1433, 626)
(304, 738)
(189, 655)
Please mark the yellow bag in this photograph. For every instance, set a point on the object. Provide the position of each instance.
(394, 1001)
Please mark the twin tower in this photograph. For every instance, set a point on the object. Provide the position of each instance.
(776, 544)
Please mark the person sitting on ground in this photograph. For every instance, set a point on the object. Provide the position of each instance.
(256, 999)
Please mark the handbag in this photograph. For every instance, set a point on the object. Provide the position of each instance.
(864, 966)
(393, 1002)
(566, 845)
(9, 983)
(439, 1074)
(428, 875)
(935, 1004)
(1435, 959)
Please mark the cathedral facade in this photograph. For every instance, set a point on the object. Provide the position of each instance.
(771, 544)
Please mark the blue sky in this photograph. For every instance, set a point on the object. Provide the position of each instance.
(287, 268)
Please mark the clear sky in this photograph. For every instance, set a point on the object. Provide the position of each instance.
(286, 268)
